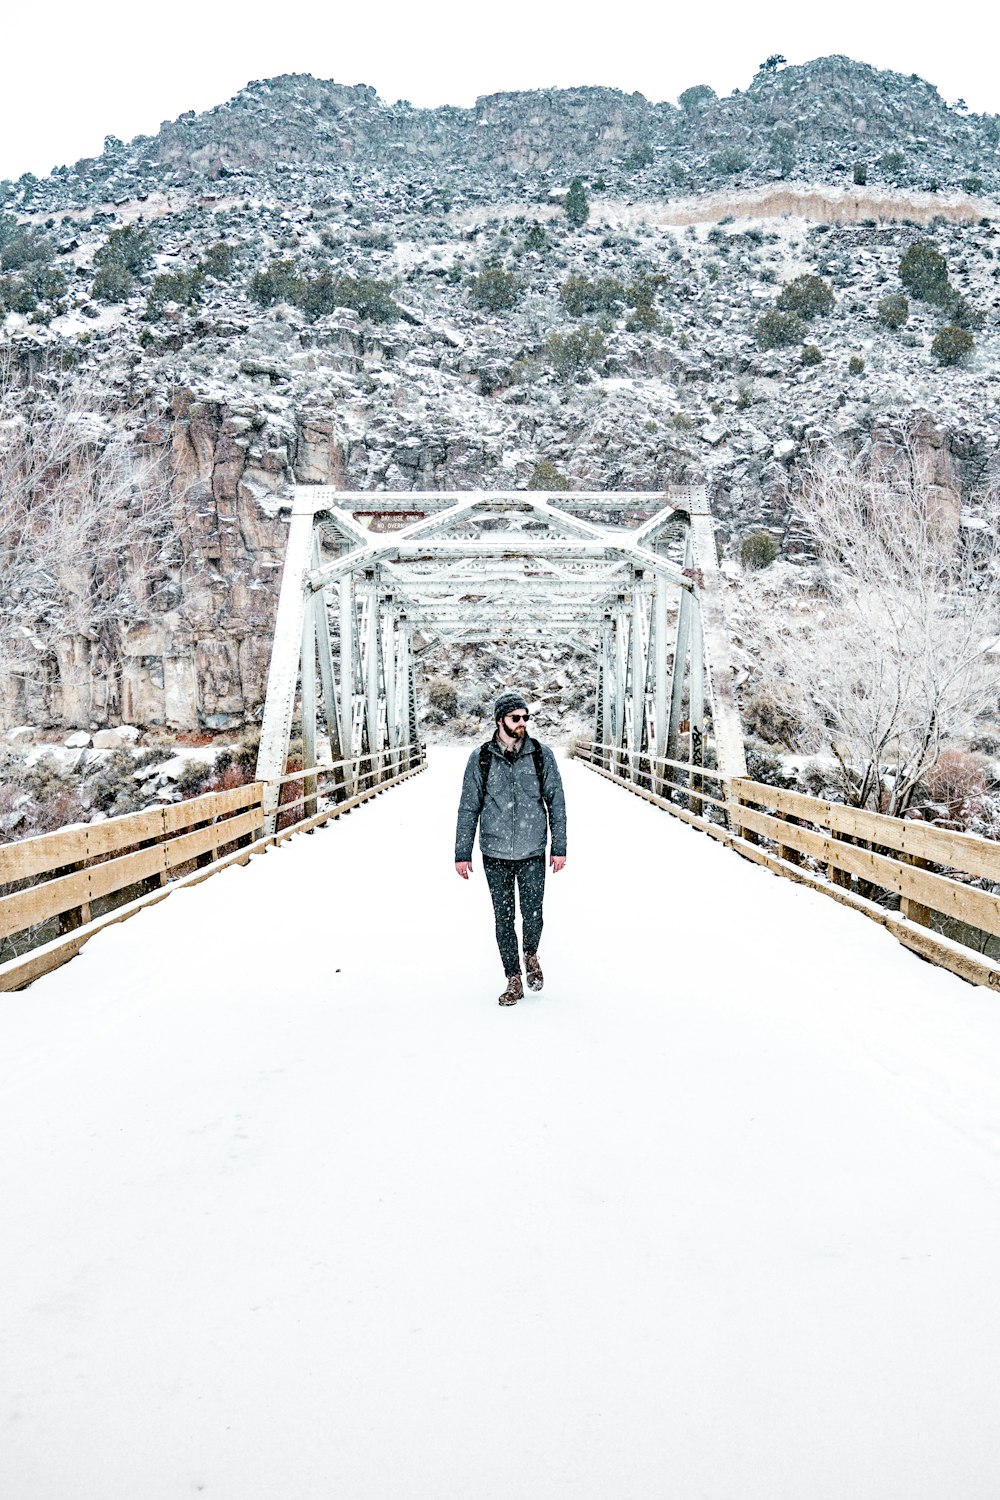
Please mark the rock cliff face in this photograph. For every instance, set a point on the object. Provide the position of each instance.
(437, 387)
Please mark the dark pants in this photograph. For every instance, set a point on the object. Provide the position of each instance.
(529, 876)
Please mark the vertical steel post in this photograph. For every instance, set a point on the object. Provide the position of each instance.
(389, 634)
(696, 699)
(309, 783)
(638, 673)
(327, 677)
(679, 671)
(727, 732)
(286, 653)
(660, 679)
(374, 763)
(328, 682)
(416, 755)
(606, 701)
(621, 672)
(346, 592)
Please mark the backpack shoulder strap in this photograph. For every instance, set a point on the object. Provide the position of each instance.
(538, 757)
(485, 756)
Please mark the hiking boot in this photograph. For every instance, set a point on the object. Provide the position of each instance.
(514, 991)
(533, 970)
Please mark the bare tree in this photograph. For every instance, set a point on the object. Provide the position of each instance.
(85, 523)
(889, 652)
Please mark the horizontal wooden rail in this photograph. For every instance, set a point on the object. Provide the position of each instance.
(145, 851)
(79, 842)
(938, 892)
(841, 862)
(608, 757)
(327, 767)
(314, 772)
(614, 752)
(942, 846)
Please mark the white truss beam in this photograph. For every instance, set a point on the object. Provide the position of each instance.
(325, 498)
(439, 564)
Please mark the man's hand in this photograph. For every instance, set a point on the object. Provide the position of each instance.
(557, 862)
(464, 867)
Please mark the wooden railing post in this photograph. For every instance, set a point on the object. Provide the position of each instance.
(909, 907)
(76, 916)
(838, 876)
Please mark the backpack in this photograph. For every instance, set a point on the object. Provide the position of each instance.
(486, 755)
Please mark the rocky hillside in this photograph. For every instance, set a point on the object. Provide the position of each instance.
(306, 283)
(837, 112)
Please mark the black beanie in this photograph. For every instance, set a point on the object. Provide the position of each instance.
(506, 703)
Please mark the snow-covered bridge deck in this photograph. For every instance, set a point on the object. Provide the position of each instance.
(293, 1209)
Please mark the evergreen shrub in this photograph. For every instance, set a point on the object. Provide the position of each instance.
(580, 296)
(728, 162)
(545, 476)
(576, 204)
(807, 296)
(495, 289)
(569, 353)
(758, 550)
(777, 330)
(894, 311)
(923, 271)
(951, 344)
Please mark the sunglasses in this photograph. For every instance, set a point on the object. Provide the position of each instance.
(518, 718)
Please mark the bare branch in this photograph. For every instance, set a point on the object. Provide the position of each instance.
(892, 658)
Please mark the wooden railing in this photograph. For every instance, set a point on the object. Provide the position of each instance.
(63, 887)
(910, 877)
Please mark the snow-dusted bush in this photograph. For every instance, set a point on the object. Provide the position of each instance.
(951, 344)
(807, 296)
(894, 311)
(923, 270)
(956, 775)
(545, 476)
(758, 550)
(777, 330)
(576, 204)
(569, 353)
(580, 296)
(728, 162)
(495, 289)
(121, 262)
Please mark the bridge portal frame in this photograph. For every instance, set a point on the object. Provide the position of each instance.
(477, 565)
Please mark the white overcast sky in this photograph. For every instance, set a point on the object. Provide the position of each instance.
(73, 74)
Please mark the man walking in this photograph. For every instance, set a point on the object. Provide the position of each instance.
(513, 790)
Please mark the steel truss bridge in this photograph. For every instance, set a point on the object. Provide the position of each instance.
(631, 577)
(289, 1196)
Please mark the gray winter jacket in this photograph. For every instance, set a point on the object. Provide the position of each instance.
(512, 819)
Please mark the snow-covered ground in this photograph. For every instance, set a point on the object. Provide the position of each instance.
(293, 1210)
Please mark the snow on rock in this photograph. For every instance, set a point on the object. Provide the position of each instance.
(293, 1207)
